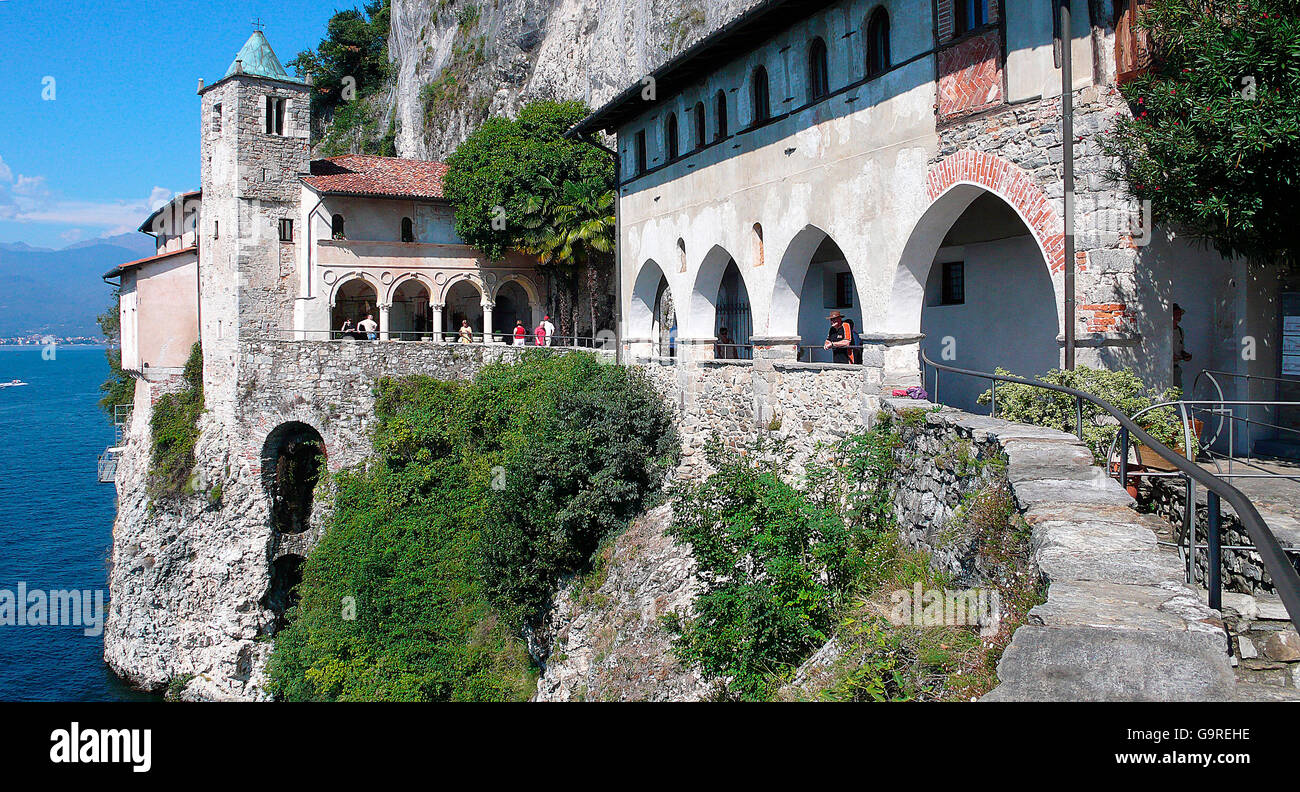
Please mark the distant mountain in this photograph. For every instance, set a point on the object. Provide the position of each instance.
(60, 292)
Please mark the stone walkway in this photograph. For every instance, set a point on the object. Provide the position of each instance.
(1119, 623)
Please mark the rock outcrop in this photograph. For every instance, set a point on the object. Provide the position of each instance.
(607, 640)
(456, 64)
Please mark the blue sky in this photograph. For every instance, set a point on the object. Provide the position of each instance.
(121, 132)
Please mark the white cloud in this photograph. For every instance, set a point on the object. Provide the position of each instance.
(29, 199)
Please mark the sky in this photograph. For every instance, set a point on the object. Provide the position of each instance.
(99, 116)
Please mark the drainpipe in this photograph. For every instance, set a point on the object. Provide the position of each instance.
(1067, 145)
(618, 246)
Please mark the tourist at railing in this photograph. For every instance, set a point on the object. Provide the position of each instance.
(370, 327)
(726, 348)
(840, 339)
(540, 335)
(466, 333)
(549, 330)
(521, 333)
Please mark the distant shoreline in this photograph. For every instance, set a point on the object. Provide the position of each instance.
(38, 347)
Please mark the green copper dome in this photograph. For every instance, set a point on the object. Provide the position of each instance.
(258, 59)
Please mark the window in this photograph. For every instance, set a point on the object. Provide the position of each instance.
(1132, 43)
(759, 252)
(843, 290)
(216, 229)
(274, 116)
(216, 118)
(954, 283)
(818, 71)
(970, 14)
(336, 227)
(671, 140)
(761, 96)
(286, 230)
(720, 101)
(701, 128)
(408, 230)
(878, 42)
(640, 152)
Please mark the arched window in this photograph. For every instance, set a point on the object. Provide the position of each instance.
(819, 79)
(878, 42)
(700, 126)
(720, 101)
(408, 230)
(970, 14)
(670, 138)
(761, 95)
(336, 227)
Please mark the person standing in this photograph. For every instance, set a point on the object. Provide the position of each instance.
(539, 335)
(1181, 354)
(369, 326)
(520, 333)
(840, 339)
(726, 347)
(466, 332)
(549, 329)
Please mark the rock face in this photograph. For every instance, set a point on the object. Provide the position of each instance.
(608, 643)
(456, 64)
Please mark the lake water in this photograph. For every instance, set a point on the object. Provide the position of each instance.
(56, 521)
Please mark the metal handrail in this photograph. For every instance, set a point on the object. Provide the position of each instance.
(1285, 578)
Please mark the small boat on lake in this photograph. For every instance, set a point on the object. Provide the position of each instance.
(12, 384)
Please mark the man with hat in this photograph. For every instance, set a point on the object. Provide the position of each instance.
(840, 339)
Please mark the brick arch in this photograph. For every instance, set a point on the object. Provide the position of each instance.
(1012, 184)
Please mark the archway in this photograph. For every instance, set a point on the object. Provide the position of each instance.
(653, 315)
(464, 303)
(282, 590)
(814, 278)
(293, 457)
(354, 300)
(980, 274)
(721, 299)
(409, 317)
(512, 305)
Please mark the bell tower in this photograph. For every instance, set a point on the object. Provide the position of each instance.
(255, 136)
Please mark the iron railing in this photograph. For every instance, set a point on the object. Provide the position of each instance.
(1286, 580)
(606, 342)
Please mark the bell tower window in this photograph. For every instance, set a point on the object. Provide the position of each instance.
(275, 115)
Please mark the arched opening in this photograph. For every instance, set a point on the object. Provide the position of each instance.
(989, 301)
(353, 302)
(672, 145)
(701, 126)
(720, 107)
(814, 281)
(819, 84)
(409, 318)
(720, 301)
(408, 230)
(282, 592)
(337, 230)
(681, 254)
(760, 252)
(512, 306)
(464, 305)
(653, 315)
(761, 95)
(878, 42)
(293, 457)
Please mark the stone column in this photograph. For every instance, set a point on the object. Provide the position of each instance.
(891, 360)
(638, 348)
(487, 321)
(776, 347)
(383, 322)
(436, 309)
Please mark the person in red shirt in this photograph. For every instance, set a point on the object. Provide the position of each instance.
(520, 334)
(540, 335)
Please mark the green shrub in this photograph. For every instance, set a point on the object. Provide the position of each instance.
(776, 563)
(174, 430)
(482, 496)
(1043, 407)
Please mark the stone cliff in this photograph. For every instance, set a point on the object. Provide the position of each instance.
(457, 63)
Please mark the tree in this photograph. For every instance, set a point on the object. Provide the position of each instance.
(1214, 141)
(349, 65)
(119, 388)
(509, 184)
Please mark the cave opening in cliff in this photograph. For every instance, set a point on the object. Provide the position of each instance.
(282, 593)
(293, 458)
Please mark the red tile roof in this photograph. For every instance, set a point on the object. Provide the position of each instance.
(113, 273)
(382, 177)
